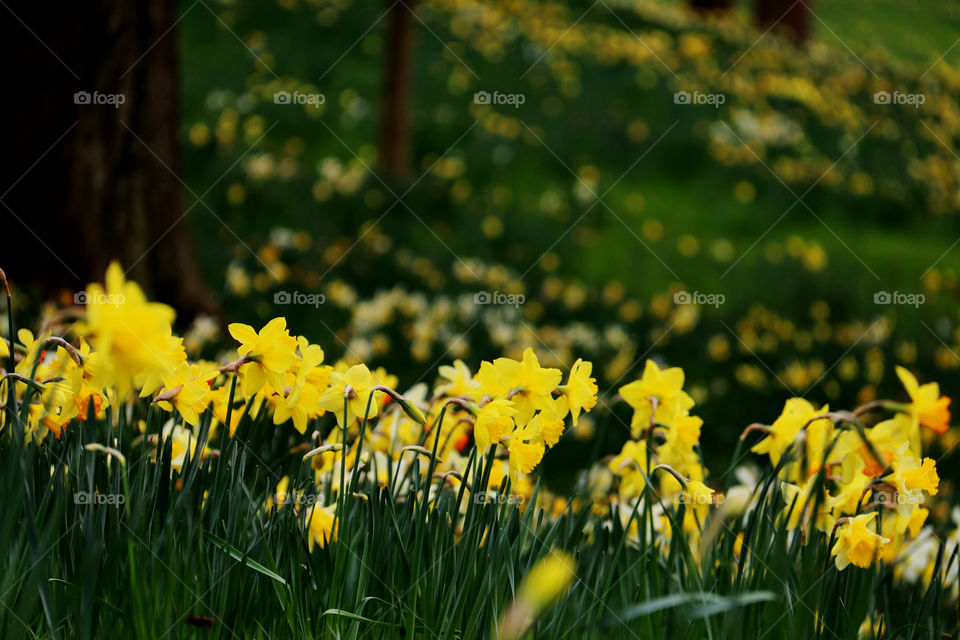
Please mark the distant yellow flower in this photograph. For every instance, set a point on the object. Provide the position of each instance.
(856, 543)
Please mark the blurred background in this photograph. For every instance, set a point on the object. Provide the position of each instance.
(764, 193)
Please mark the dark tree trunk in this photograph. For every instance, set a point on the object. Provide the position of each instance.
(790, 16)
(395, 103)
(711, 6)
(90, 172)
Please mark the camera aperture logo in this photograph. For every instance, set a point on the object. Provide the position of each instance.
(99, 299)
(898, 97)
(697, 97)
(298, 297)
(911, 299)
(704, 299)
(312, 99)
(96, 98)
(496, 297)
(485, 97)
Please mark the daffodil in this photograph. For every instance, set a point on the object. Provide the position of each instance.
(187, 390)
(320, 525)
(489, 381)
(799, 501)
(494, 422)
(698, 498)
(632, 466)
(856, 543)
(581, 390)
(658, 396)
(311, 356)
(268, 353)
(546, 582)
(797, 412)
(550, 420)
(356, 386)
(916, 474)
(529, 384)
(183, 444)
(699, 493)
(458, 381)
(912, 477)
(306, 405)
(132, 340)
(926, 408)
(526, 450)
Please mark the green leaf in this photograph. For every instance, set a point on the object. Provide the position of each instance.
(236, 554)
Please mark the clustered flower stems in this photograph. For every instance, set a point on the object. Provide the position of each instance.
(422, 512)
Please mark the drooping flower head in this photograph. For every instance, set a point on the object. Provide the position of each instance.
(856, 543)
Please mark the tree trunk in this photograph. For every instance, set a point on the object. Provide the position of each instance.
(92, 163)
(711, 6)
(790, 16)
(395, 103)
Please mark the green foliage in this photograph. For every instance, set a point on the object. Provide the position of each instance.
(194, 554)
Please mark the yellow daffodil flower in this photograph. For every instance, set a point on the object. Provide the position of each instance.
(660, 388)
(856, 543)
